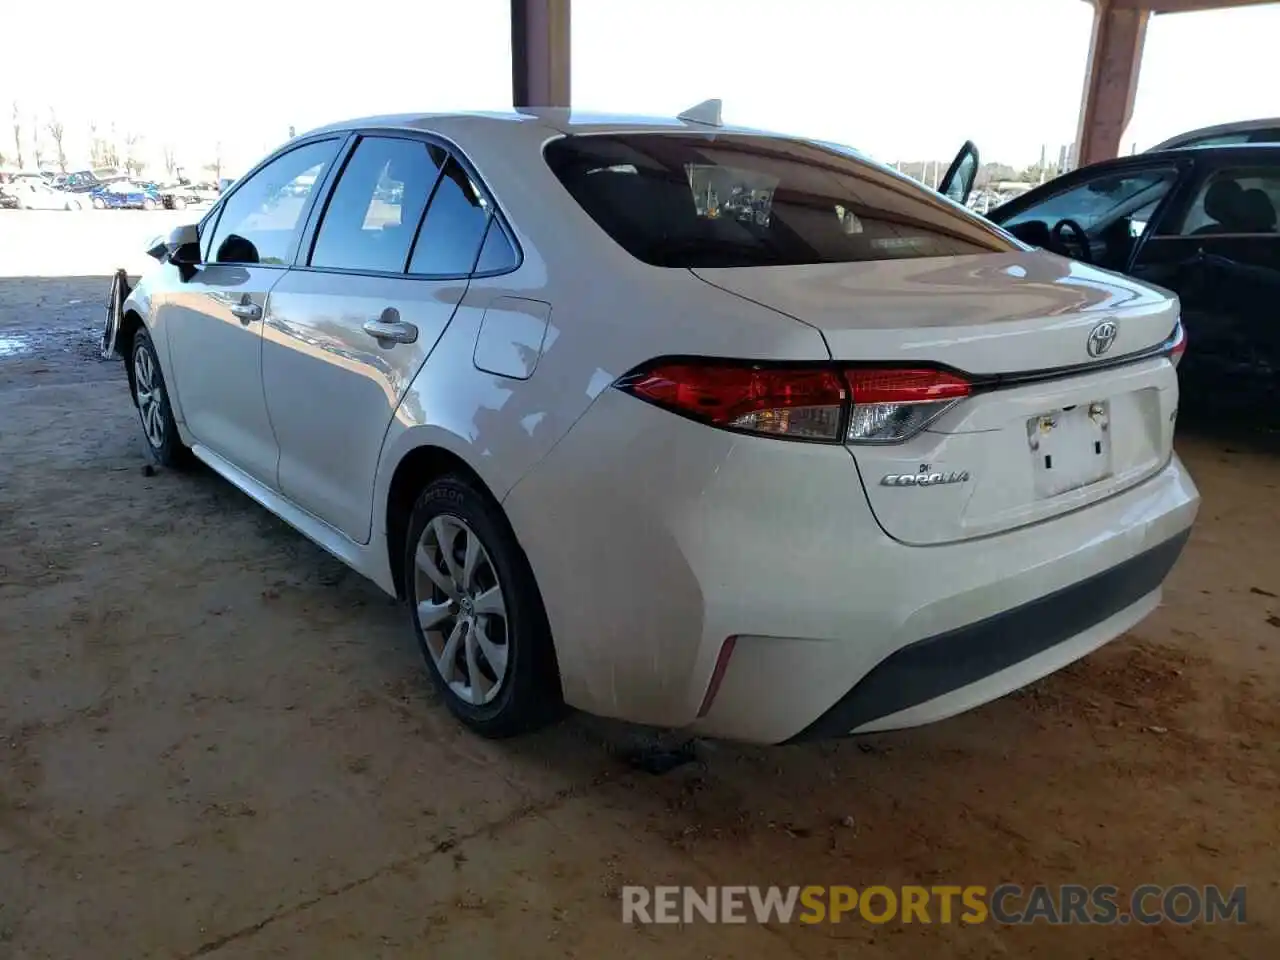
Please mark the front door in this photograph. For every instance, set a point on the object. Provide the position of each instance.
(214, 320)
(957, 182)
(349, 330)
(1221, 255)
(1095, 215)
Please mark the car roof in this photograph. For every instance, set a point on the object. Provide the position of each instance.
(1244, 151)
(537, 122)
(1217, 130)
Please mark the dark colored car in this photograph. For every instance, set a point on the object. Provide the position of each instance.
(1202, 222)
(81, 181)
(1241, 131)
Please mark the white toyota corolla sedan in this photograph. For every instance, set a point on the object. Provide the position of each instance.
(681, 423)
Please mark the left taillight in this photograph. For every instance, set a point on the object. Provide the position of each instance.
(800, 403)
(825, 404)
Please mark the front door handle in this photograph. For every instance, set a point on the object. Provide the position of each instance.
(391, 331)
(247, 311)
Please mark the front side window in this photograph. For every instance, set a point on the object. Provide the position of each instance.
(375, 208)
(261, 221)
(454, 226)
(1233, 201)
(1100, 201)
(728, 200)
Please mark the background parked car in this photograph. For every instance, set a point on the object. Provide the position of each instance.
(31, 193)
(1200, 221)
(126, 194)
(179, 196)
(81, 181)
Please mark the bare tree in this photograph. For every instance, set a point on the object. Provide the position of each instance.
(133, 163)
(111, 156)
(97, 147)
(37, 141)
(17, 132)
(216, 166)
(170, 163)
(56, 132)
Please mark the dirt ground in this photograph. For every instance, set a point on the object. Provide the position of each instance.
(217, 742)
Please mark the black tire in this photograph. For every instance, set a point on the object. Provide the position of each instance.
(170, 450)
(148, 204)
(529, 695)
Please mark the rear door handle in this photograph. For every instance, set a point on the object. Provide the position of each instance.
(393, 331)
(247, 312)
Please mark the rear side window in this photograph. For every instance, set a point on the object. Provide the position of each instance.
(496, 255)
(454, 226)
(261, 221)
(1235, 201)
(374, 211)
(709, 200)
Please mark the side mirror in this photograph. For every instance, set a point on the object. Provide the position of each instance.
(184, 244)
(181, 247)
(186, 255)
(958, 183)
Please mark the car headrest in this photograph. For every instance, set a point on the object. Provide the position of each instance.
(1256, 212)
(1221, 201)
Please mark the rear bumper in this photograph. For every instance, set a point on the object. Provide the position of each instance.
(930, 675)
(654, 539)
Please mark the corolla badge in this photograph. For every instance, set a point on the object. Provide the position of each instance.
(924, 479)
(1102, 337)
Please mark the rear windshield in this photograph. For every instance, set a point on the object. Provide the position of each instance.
(708, 200)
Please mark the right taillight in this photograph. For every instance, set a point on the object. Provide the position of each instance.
(1178, 343)
(815, 403)
(892, 404)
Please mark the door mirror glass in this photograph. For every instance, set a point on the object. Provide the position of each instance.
(184, 244)
(958, 182)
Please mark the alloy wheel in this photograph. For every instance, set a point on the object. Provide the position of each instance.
(150, 392)
(461, 609)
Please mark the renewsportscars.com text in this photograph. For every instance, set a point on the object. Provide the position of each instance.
(1005, 904)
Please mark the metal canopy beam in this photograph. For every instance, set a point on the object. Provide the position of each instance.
(1115, 56)
(540, 53)
(1183, 6)
(1111, 79)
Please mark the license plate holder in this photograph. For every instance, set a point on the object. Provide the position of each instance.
(1070, 448)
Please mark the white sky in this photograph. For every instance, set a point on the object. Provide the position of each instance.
(901, 79)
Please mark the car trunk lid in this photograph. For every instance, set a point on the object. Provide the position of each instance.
(1053, 423)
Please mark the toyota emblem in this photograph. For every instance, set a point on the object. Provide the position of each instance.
(1102, 337)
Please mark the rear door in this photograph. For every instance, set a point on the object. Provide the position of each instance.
(353, 323)
(214, 320)
(1220, 252)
